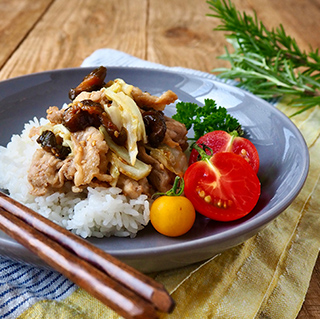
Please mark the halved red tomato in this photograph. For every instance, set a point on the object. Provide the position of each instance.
(223, 187)
(221, 141)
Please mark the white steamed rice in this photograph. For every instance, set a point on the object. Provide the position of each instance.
(98, 212)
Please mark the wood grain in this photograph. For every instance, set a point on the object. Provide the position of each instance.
(72, 30)
(16, 24)
(311, 306)
(174, 33)
(180, 34)
(48, 34)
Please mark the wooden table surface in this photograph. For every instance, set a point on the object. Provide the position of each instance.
(39, 35)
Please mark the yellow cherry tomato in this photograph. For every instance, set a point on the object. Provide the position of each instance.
(172, 215)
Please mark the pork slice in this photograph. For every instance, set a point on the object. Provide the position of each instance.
(90, 159)
(95, 96)
(160, 177)
(176, 134)
(147, 101)
(132, 188)
(55, 115)
(44, 172)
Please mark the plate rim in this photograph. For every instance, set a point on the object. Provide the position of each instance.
(239, 230)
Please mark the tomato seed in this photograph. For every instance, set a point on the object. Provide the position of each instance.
(202, 194)
(207, 199)
(244, 152)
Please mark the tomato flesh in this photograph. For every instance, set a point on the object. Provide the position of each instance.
(221, 141)
(224, 187)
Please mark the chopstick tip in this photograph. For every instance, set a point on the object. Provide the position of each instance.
(163, 301)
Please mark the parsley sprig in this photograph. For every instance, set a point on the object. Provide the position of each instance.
(269, 63)
(207, 118)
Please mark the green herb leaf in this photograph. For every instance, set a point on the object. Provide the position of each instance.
(268, 63)
(206, 118)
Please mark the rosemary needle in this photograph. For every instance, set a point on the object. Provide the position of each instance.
(268, 63)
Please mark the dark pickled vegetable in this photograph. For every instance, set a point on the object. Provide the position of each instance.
(156, 127)
(89, 113)
(92, 82)
(82, 114)
(51, 143)
(118, 136)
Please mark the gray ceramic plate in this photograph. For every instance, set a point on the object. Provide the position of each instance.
(283, 155)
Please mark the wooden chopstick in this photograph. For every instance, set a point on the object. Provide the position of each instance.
(117, 297)
(127, 291)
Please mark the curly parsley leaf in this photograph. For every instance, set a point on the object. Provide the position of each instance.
(206, 118)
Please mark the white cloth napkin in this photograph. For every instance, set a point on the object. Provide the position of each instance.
(110, 57)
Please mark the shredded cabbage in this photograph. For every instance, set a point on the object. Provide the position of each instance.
(121, 160)
(124, 112)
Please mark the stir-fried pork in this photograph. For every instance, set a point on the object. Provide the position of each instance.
(55, 115)
(90, 157)
(176, 134)
(133, 188)
(44, 172)
(90, 161)
(95, 96)
(147, 101)
(160, 177)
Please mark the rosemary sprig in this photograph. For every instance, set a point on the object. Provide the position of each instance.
(270, 64)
